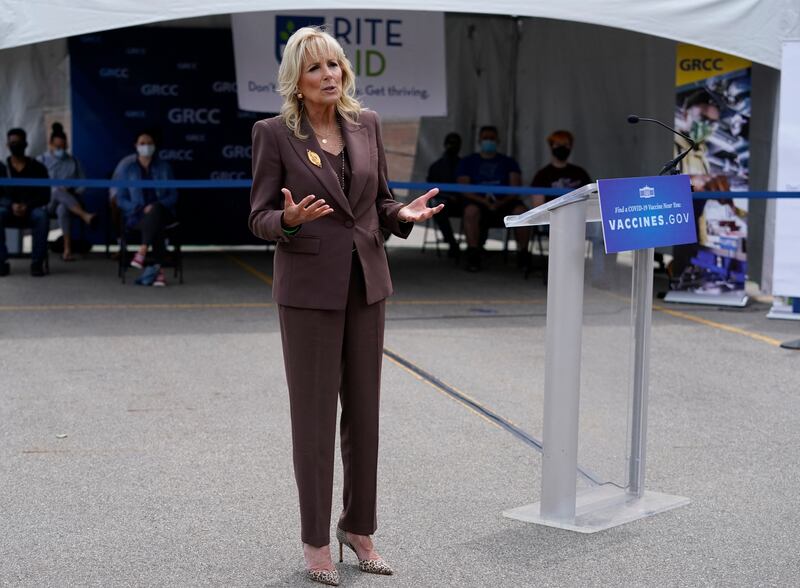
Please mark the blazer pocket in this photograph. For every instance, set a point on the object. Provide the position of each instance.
(299, 244)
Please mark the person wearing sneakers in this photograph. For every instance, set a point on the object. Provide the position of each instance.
(320, 191)
(62, 165)
(148, 210)
(488, 167)
(24, 206)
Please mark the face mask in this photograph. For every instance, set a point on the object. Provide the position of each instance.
(146, 150)
(59, 153)
(561, 153)
(452, 148)
(18, 149)
(488, 146)
(702, 130)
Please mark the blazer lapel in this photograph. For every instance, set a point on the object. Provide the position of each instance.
(324, 174)
(357, 141)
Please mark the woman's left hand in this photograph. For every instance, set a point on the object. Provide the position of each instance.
(418, 210)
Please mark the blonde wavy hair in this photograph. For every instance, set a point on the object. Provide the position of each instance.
(306, 44)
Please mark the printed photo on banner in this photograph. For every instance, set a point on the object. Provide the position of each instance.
(385, 48)
(712, 106)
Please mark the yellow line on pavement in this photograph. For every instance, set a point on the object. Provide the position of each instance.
(431, 302)
(707, 322)
(720, 326)
(267, 279)
(187, 306)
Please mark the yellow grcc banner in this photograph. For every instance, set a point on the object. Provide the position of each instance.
(698, 63)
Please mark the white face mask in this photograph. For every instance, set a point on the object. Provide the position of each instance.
(146, 150)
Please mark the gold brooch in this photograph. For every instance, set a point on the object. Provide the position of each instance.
(314, 158)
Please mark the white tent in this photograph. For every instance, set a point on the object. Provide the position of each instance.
(752, 29)
(618, 54)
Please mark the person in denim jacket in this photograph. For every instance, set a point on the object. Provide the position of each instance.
(149, 210)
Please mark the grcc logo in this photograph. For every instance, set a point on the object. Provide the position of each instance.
(228, 175)
(224, 87)
(176, 154)
(237, 152)
(696, 64)
(159, 90)
(114, 72)
(196, 116)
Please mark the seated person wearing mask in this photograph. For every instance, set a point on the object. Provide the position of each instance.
(481, 211)
(558, 173)
(443, 171)
(561, 174)
(61, 165)
(149, 210)
(24, 206)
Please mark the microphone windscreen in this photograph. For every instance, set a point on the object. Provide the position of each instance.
(633, 119)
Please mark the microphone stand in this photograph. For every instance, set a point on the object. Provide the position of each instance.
(671, 167)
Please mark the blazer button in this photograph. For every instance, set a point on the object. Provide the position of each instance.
(348, 224)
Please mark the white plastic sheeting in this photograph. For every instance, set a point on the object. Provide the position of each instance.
(531, 77)
(35, 87)
(752, 29)
(786, 276)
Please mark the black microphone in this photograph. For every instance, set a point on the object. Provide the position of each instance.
(672, 165)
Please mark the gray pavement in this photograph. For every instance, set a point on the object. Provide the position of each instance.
(145, 438)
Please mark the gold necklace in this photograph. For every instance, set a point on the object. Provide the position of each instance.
(323, 138)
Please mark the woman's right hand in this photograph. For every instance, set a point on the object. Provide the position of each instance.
(307, 210)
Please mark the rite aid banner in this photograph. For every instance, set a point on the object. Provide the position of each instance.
(638, 213)
(398, 57)
(712, 106)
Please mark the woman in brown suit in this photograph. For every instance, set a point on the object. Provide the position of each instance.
(320, 191)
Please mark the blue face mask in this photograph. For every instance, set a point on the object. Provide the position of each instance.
(488, 146)
(59, 153)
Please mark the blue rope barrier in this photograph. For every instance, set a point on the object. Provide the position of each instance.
(421, 186)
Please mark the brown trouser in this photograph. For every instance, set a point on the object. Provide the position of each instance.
(330, 354)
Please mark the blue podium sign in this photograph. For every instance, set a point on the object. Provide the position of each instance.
(639, 213)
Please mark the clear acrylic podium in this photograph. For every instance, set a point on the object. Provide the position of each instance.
(607, 505)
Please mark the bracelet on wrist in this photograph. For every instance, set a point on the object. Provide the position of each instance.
(289, 231)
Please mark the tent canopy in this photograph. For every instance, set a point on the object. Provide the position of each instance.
(752, 29)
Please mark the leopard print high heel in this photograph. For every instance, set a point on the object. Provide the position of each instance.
(328, 577)
(370, 566)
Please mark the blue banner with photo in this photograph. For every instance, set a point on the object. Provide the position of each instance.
(713, 106)
(179, 83)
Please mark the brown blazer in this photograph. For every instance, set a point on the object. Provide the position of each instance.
(312, 267)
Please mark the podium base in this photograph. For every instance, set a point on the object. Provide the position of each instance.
(737, 298)
(783, 314)
(602, 507)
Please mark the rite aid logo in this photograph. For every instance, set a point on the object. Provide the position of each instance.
(159, 89)
(286, 25)
(647, 192)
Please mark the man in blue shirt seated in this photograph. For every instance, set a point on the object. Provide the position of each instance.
(149, 210)
(481, 211)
